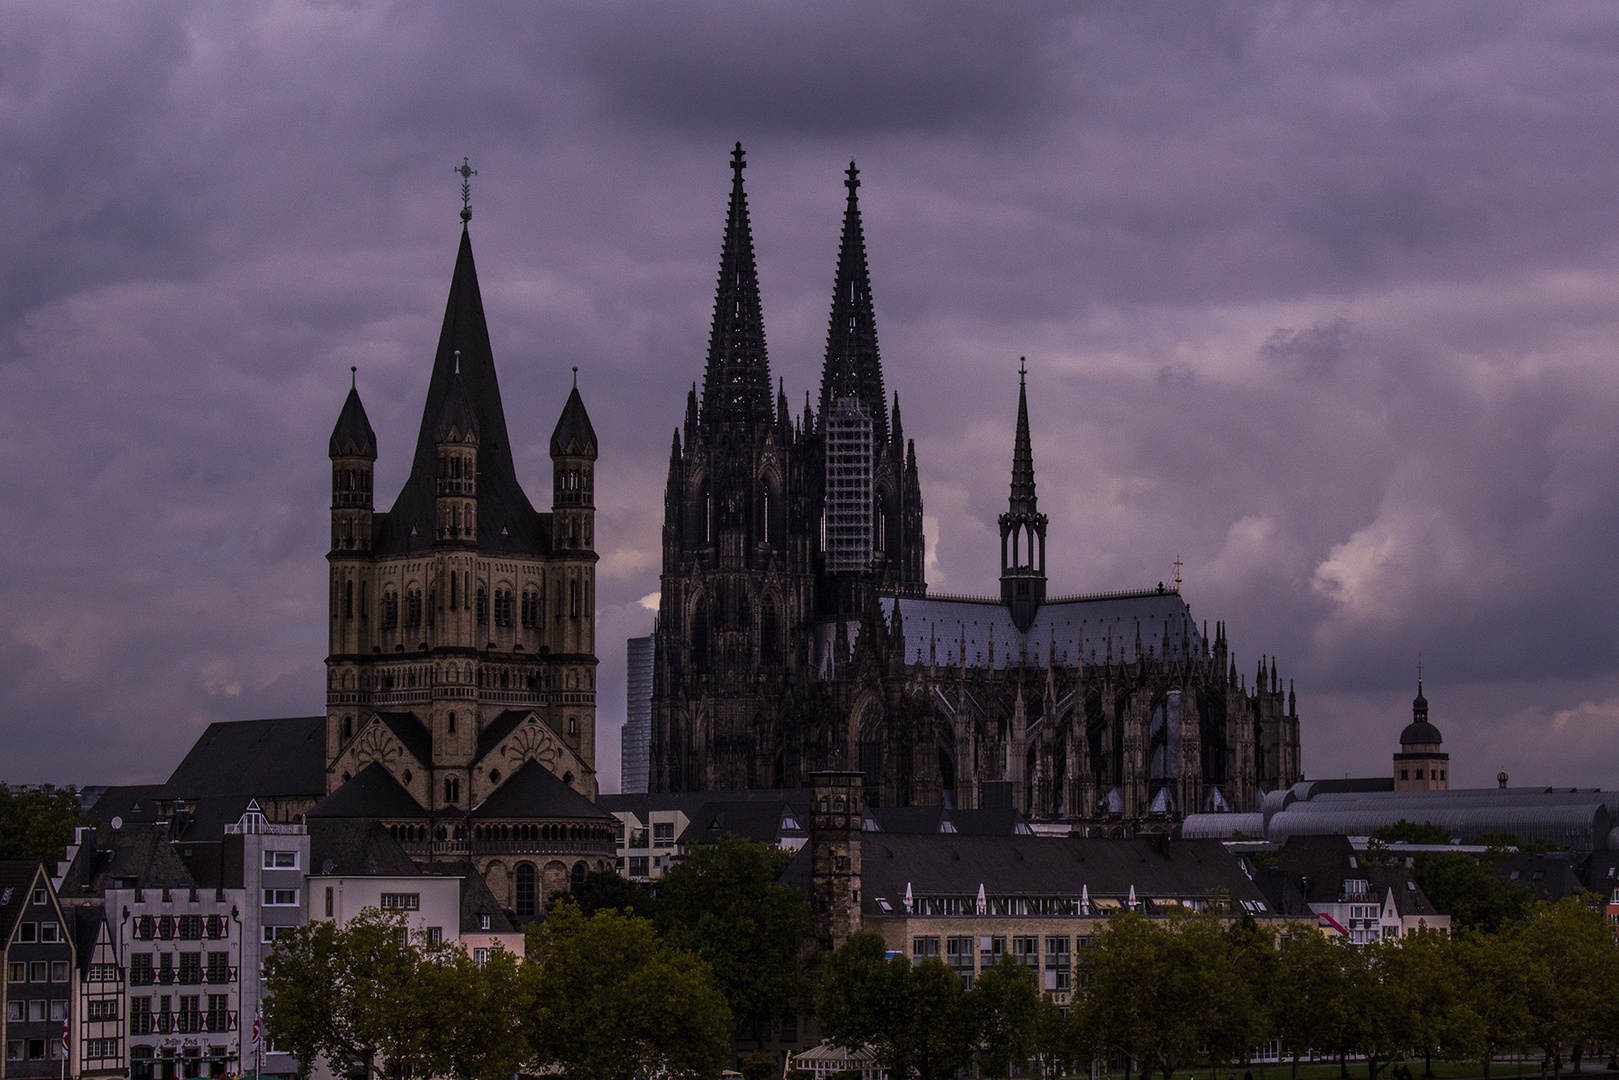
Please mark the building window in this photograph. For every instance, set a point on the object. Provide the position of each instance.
(663, 834)
(16, 972)
(14, 1050)
(531, 609)
(280, 897)
(39, 971)
(107, 972)
(276, 933)
(218, 928)
(28, 933)
(49, 932)
(435, 935)
(329, 893)
(140, 1016)
(281, 860)
(990, 950)
(483, 921)
(483, 606)
(525, 892)
(413, 608)
(577, 878)
(140, 969)
(103, 1009)
(218, 968)
(14, 1011)
(39, 897)
(36, 1010)
(401, 901)
(638, 866)
(1058, 962)
(573, 598)
(452, 789)
(1405, 774)
(503, 607)
(190, 927)
(958, 953)
(452, 723)
(390, 610)
(924, 948)
(1027, 949)
(218, 1012)
(480, 956)
(190, 1014)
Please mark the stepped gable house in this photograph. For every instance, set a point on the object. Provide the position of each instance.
(461, 675)
(796, 634)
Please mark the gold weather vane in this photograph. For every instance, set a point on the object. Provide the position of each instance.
(466, 172)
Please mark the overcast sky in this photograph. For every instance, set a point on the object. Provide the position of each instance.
(1321, 298)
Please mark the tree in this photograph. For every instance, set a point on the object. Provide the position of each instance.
(1410, 832)
(725, 903)
(604, 889)
(1160, 991)
(1425, 966)
(1473, 896)
(346, 994)
(1377, 1005)
(1572, 969)
(914, 1018)
(479, 1011)
(1494, 976)
(34, 825)
(1310, 984)
(611, 1001)
(1005, 1004)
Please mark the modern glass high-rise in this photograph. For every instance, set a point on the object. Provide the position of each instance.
(636, 738)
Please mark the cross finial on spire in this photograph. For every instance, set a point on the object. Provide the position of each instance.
(354, 376)
(1419, 673)
(737, 162)
(466, 172)
(576, 376)
(853, 180)
(1178, 565)
(1022, 368)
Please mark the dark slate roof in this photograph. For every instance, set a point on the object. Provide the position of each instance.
(412, 732)
(500, 727)
(766, 822)
(1319, 864)
(1552, 875)
(253, 757)
(16, 881)
(533, 792)
(140, 852)
(476, 900)
(131, 802)
(1420, 733)
(457, 419)
(691, 803)
(938, 819)
(353, 437)
(85, 923)
(372, 794)
(356, 848)
(507, 522)
(1409, 899)
(574, 437)
(946, 865)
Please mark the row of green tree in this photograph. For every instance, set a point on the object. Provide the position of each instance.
(1175, 994)
(616, 984)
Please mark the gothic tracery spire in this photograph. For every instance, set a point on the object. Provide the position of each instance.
(736, 386)
(853, 367)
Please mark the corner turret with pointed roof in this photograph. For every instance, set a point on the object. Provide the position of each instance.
(353, 450)
(853, 368)
(736, 386)
(1023, 527)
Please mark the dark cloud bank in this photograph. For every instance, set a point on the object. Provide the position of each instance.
(1319, 298)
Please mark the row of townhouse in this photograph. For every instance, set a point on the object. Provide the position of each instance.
(143, 957)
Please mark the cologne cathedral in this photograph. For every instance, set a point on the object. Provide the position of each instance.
(796, 633)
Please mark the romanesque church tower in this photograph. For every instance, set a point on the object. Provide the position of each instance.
(462, 636)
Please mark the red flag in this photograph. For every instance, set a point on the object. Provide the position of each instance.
(255, 1026)
(64, 1036)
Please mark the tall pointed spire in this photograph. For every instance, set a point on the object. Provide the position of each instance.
(1023, 527)
(736, 387)
(464, 356)
(853, 368)
(1023, 501)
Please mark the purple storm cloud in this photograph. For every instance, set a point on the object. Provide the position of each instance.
(1321, 299)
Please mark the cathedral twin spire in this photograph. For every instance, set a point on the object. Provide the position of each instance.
(736, 387)
(853, 368)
